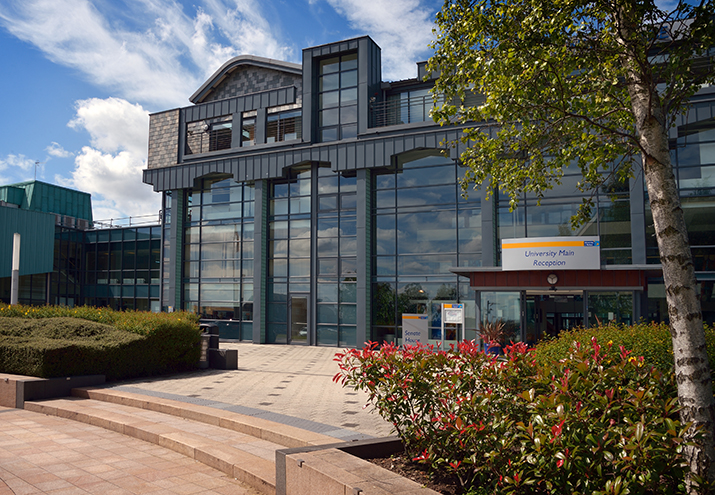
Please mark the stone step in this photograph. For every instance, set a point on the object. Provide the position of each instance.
(240, 446)
(286, 435)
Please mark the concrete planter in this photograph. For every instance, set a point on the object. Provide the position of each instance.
(341, 469)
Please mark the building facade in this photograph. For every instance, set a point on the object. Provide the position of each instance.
(317, 204)
(68, 259)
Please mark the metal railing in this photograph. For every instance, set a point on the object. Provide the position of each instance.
(396, 111)
(137, 221)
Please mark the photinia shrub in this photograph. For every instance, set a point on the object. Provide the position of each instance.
(600, 421)
(653, 341)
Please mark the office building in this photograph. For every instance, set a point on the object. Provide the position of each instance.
(316, 204)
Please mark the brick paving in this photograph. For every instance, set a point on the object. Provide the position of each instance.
(288, 384)
(46, 454)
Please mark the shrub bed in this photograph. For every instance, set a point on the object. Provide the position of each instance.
(652, 341)
(599, 421)
(50, 342)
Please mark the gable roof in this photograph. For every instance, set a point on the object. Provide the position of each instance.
(237, 62)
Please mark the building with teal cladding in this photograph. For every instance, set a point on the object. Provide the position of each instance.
(65, 260)
(40, 196)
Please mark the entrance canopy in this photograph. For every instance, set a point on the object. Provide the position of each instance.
(534, 304)
(617, 277)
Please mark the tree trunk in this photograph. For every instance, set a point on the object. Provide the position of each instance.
(692, 369)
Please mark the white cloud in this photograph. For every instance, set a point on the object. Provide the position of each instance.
(111, 169)
(161, 60)
(114, 124)
(115, 184)
(17, 162)
(402, 28)
(56, 150)
(17, 168)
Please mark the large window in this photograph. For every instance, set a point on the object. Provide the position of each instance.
(693, 155)
(551, 216)
(422, 227)
(289, 249)
(122, 268)
(337, 265)
(410, 106)
(337, 98)
(208, 135)
(284, 126)
(218, 256)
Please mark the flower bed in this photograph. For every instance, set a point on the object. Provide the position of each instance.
(599, 421)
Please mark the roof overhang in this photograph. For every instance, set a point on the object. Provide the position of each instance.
(242, 61)
(613, 277)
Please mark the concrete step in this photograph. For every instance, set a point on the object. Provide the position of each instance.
(240, 446)
(286, 435)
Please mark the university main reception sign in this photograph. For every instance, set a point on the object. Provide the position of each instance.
(551, 253)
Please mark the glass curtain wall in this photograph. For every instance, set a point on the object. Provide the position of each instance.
(218, 256)
(422, 227)
(66, 278)
(337, 250)
(122, 268)
(552, 218)
(693, 155)
(289, 230)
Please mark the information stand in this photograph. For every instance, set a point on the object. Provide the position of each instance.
(453, 314)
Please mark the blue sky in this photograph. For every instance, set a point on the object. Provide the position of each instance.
(80, 77)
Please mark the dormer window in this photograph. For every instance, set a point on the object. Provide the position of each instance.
(283, 126)
(248, 129)
(337, 98)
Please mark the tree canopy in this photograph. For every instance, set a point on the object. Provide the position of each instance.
(596, 85)
(557, 84)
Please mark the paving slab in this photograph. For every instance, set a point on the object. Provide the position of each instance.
(286, 384)
(48, 454)
(291, 385)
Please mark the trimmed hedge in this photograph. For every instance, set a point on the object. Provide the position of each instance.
(650, 340)
(50, 342)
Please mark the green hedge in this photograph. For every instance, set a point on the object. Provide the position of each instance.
(57, 341)
(650, 340)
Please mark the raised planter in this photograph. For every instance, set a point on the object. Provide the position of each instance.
(16, 389)
(341, 468)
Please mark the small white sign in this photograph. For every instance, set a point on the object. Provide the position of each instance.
(414, 329)
(453, 313)
(551, 253)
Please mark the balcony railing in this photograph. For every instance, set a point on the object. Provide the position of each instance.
(396, 110)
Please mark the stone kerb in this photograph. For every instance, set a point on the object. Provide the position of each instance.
(341, 469)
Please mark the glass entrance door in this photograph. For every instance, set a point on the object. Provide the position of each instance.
(547, 314)
(298, 319)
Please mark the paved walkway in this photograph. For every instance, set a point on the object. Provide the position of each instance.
(47, 454)
(287, 384)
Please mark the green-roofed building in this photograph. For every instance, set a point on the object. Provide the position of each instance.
(65, 260)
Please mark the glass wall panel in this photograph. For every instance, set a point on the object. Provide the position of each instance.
(504, 307)
(337, 98)
(427, 232)
(610, 307)
(419, 215)
(226, 257)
